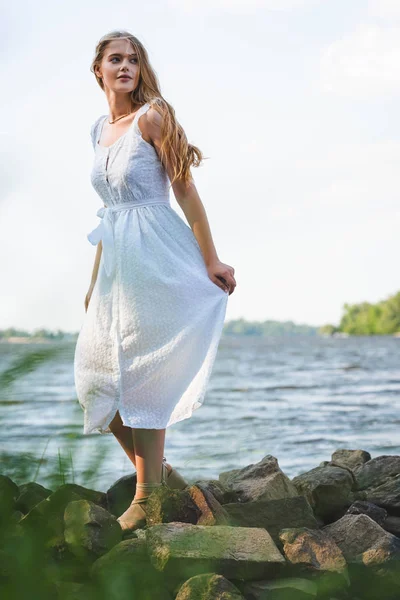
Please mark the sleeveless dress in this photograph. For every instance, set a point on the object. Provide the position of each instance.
(149, 338)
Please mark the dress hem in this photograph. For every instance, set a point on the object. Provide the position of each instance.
(104, 429)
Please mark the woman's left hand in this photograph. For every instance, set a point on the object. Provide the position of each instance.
(222, 275)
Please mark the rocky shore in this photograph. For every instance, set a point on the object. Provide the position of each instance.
(332, 532)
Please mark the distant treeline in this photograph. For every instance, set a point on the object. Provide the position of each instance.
(234, 327)
(382, 318)
(261, 328)
(38, 334)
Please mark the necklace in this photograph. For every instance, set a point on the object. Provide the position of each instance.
(115, 120)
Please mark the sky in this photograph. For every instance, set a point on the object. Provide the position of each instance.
(293, 102)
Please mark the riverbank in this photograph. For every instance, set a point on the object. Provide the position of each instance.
(253, 533)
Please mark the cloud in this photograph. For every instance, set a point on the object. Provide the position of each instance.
(365, 62)
(384, 9)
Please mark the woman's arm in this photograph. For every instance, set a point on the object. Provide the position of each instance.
(96, 263)
(94, 274)
(189, 200)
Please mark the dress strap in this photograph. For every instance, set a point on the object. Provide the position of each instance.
(139, 113)
(94, 130)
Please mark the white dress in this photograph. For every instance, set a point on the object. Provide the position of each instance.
(150, 335)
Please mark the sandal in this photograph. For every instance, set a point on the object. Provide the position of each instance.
(135, 515)
(173, 479)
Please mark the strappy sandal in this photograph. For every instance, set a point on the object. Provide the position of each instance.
(173, 479)
(135, 515)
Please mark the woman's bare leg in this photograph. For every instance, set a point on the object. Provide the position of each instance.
(149, 452)
(124, 436)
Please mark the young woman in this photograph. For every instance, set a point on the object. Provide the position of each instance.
(157, 301)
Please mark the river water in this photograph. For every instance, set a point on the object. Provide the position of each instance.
(298, 398)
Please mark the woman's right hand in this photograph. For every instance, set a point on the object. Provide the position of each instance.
(88, 296)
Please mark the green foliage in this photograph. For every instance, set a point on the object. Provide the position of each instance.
(382, 318)
(327, 329)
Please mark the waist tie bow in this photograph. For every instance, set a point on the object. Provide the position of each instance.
(105, 229)
(105, 232)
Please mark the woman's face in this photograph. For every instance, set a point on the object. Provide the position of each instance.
(119, 59)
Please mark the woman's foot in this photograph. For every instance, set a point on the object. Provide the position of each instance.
(135, 515)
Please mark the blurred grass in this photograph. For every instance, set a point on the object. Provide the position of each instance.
(28, 362)
(25, 467)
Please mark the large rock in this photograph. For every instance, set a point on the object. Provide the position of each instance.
(71, 590)
(30, 494)
(273, 515)
(261, 481)
(209, 586)
(378, 481)
(210, 510)
(330, 490)
(386, 496)
(165, 505)
(220, 493)
(360, 507)
(377, 472)
(181, 550)
(373, 555)
(291, 588)
(90, 531)
(9, 492)
(392, 524)
(362, 540)
(316, 554)
(120, 494)
(47, 517)
(351, 459)
(312, 549)
(126, 572)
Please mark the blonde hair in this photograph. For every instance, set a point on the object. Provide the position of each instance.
(175, 148)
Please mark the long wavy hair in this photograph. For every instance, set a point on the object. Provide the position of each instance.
(175, 148)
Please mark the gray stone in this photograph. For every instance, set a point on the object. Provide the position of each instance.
(290, 588)
(47, 517)
(210, 510)
(9, 492)
(261, 481)
(120, 494)
(362, 540)
(90, 531)
(360, 507)
(165, 505)
(350, 458)
(70, 590)
(220, 493)
(273, 515)
(182, 550)
(386, 495)
(329, 490)
(313, 549)
(208, 586)
(316, 554)
(126, 572)
(392, 524)
(30, 494)
(377, 471)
